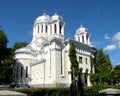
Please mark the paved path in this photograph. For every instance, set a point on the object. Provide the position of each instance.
(11, 93)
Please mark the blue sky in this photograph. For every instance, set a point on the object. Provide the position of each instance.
(100, 17)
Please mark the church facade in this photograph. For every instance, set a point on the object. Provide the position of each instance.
(44, 62)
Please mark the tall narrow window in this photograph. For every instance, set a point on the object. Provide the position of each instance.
(80, 59)
(60, 28)
(17, 71)
(78, 38)
(86, 77)
(42, 28)
(80, 74)
(83, 39)
(50, 64)
(55, 27)
(86, 61)
(46, 28)
(61, 64)
(26, 71)
(21, 72)
(38, 29)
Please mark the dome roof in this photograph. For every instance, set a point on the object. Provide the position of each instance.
(43, 18)
(24, 49)
(56, 17)
(81, 30)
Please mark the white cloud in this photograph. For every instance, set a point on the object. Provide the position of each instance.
(106, 36)
(110, 47)
(97, 43)
(116, 37)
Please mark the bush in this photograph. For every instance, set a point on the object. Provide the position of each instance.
(95, 88)
(44, 91)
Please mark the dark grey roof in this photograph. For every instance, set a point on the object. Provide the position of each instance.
(80, 45)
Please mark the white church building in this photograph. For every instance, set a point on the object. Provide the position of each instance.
(44, 62)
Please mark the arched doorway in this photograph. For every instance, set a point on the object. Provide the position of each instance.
(80, 74)
(86, 77)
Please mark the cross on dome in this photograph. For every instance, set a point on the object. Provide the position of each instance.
(55, 12)
(44, 12)
(81, 26)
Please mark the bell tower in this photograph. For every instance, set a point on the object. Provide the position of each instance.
(57, 25)
(82, 35)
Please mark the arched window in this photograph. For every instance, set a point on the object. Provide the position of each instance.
(80, 74)
(86, 76)
(17, 71)
(83, 39)
(46, 28)
(26, 71)
(78, 38)
(41, 28)
(86, 60)
(87, 36)
(38, 29)
(60, 28)
(21, 72)
(55, 27)
(62, 66)
(80, 70)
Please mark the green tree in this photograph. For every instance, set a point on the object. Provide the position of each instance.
(7, 71)
(18, 45)
(102, 68)
(6, 60)
(73, 60)
(116, 74)
(3, 45)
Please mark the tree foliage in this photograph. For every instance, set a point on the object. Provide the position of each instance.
(6, 60)
(7, 71)
(102, 67)
(73, 60)
(3, 45)
(18, 45)
(116, 74)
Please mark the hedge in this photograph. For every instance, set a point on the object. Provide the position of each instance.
(45, 91)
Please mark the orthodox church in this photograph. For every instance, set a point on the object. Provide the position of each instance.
(44, 62)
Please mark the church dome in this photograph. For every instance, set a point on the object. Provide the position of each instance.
(81, 29)
(24, 49)
(56, 17)
(43, 18)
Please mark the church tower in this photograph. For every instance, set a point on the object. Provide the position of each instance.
(57, 26)
(46, 26)
(82, 35)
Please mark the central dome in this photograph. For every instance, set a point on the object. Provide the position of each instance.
(56, 17)
(43, 18)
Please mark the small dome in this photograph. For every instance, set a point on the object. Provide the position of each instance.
(56, 17)
(81, 30)
(24, 49)
(43, 18)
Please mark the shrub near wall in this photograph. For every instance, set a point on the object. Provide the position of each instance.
(45, 91)
(95, 88)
